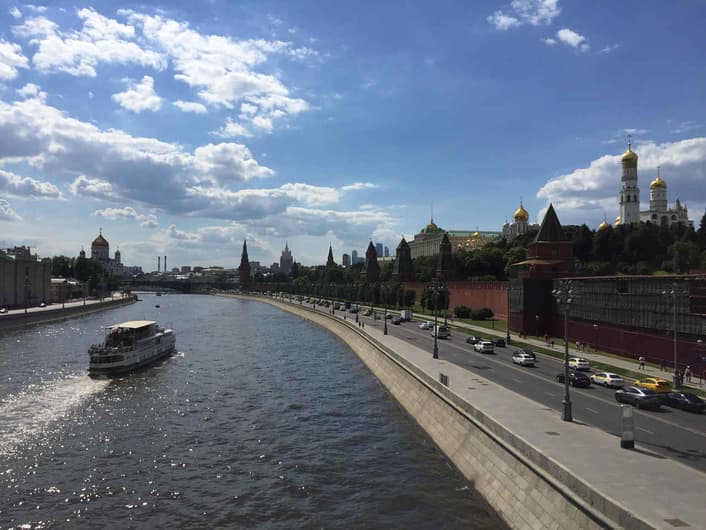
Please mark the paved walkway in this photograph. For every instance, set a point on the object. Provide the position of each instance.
(660, 492)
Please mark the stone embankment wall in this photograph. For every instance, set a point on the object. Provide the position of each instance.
(18, 320)
(526, 489)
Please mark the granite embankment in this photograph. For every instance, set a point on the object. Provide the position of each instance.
(520, 456)
(52, 313)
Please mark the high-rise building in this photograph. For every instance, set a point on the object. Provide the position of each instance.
(346, 260)
(286, 260)
(354, 257)
(387, 251)
(378, 248)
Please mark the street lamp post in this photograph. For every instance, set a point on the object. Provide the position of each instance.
(435, 294)
(595, 337)
(676, 379)
(536, 325)
(27, 286)
(563, 297)
(507, 334)
(385, 294)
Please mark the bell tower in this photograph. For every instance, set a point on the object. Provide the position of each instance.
(629, 192)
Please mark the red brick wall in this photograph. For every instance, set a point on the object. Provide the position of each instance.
(472, 294)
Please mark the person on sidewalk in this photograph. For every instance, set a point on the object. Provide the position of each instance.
(687, 373)
(642, 363)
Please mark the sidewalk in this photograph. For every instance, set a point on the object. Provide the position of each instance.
(623, 364)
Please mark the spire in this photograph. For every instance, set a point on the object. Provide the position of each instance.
(329, 261)
(244, 269)
(550, 230)
(629, 142)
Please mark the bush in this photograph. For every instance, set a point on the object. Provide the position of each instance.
(462, 311)
(484, 313)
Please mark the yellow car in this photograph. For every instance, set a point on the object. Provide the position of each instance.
(367, 312)
(661, 386)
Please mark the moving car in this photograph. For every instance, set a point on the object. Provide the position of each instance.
(3, 310)
(685, 401)
(661, 386)
(472, 339)
(484, 346)
(426, 325)
(524, 359)
(608, 379)
(397, 321)
(442, 332)
(577, 363)
(367, 312)
(528, 352)
(639, 397)
(499, 342)
(575, 378)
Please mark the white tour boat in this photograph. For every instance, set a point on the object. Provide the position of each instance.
(129, 346)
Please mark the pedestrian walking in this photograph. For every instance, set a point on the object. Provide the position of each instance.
(642, 362)
(662, 365)
(552, 343)
(687, 373)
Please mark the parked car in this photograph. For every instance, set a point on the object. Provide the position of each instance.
(524, 359)
(397, 321)
(575, 378)
(577, 363)
(426, 325)
(472, 339)
(526, 351)
(661, 386)
(608, 379)
(639, 397)
(499, 342)
(685, 401)
(484, 346)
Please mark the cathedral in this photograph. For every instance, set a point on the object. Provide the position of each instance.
(100, 252)
(519, 226)
(659, 211)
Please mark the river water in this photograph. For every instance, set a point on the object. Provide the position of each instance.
(261, 420)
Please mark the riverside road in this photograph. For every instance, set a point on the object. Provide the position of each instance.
(670, 432)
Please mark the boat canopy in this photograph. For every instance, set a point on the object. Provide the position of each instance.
(133, 324)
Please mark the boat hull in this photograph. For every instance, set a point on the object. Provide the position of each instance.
(145, 354)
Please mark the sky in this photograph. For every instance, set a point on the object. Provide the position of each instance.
(183, 128)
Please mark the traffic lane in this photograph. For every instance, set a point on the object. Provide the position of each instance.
(592, 405)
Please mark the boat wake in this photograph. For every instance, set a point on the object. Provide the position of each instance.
(25, 416)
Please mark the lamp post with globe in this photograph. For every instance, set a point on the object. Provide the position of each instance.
(564, 296)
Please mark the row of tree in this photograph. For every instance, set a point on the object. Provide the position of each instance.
(84, 270)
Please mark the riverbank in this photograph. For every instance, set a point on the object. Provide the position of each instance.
(535, 470)
(42, 315)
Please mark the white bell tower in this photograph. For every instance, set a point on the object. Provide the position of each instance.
(629, 192)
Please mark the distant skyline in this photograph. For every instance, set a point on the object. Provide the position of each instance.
(184, 128)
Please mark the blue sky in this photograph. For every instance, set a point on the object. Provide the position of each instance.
(182, 128)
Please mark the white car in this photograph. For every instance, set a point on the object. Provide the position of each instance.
(608, 379)
(426, 325)
(577, 363)
(3, 310)
(484, 346)
(524, 359)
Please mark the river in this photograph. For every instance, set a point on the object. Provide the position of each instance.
(261, 420)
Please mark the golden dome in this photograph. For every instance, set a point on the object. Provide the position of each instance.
(629, 156)
(603, 225)
(100, 241)
(658, 183)
(476, 234)
(521, 214)
(617, 221)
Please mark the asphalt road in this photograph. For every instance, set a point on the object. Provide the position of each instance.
(670, 432)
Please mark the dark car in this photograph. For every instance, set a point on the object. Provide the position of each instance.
(397, 321)
(639, 397)
(685, 401)
(472, 339)
(499, 342)
(528, 352)
(575, 378)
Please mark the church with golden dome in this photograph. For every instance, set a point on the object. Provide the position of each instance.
(659, 211)
(519, 226)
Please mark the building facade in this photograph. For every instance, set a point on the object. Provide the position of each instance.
(520, 224)
(429, 238)
(25, 279)
(286, 260)
(100, 252)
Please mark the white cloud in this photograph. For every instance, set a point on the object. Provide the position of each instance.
(11, 59)
(88, 187)
(35, 8)
(128, 212)
(571, 38)
(7, 213)
(549, 42)
(100, 40)
(610, 48)
(190, 106)
(232, 129)
(227, 162)
(532, 12)
(582, 195)
(27, 187)
(30, 90)
(140, 96)
(359, 186)
(14, 12)
(636, 132)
